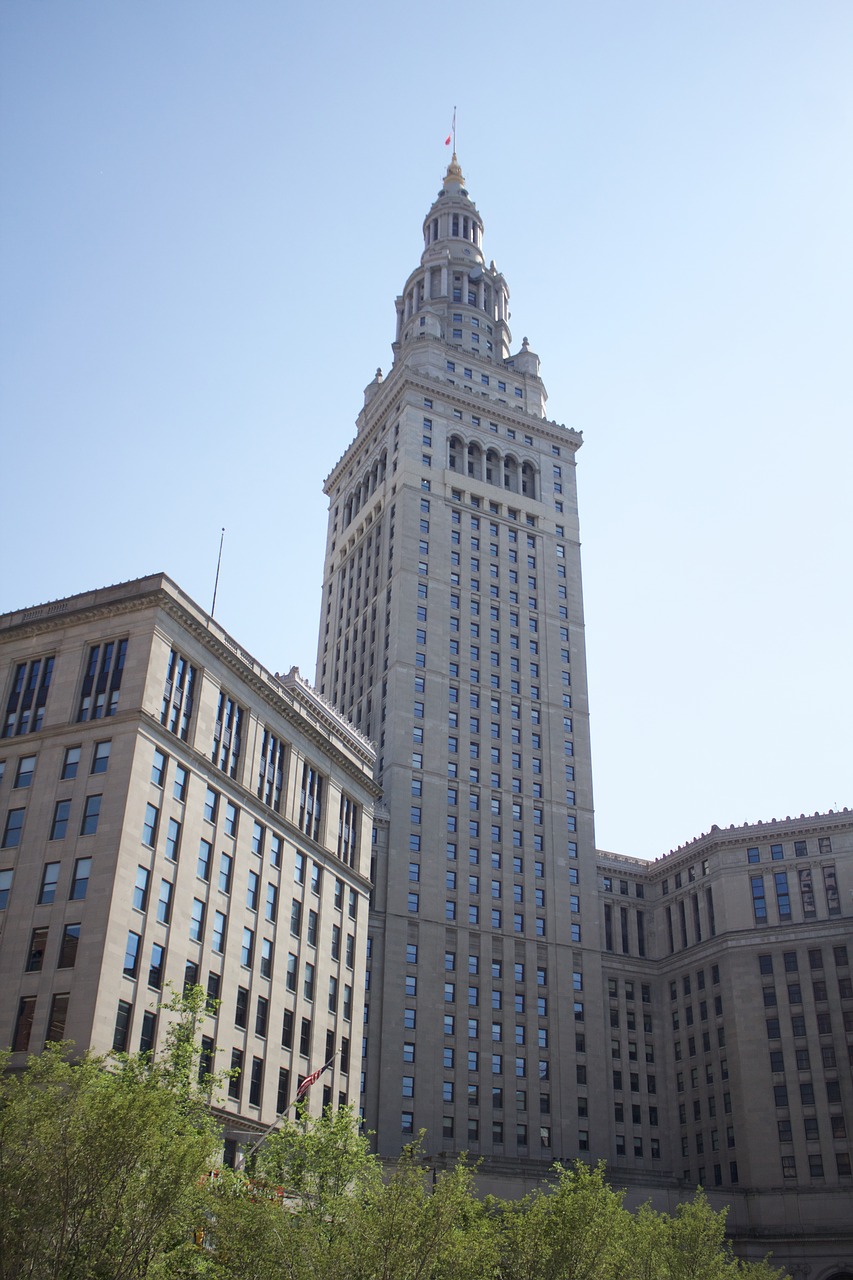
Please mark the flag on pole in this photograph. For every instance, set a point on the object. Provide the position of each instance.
(313, 1078)
(451, 137)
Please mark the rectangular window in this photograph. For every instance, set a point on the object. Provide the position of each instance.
(26, 703)
(38, 942)
(49, 880)
(91, 814)
(173, 839)
(227, 735)
(177, 705)
(56, 1021)
(149, 826)
(102, 680)
(205, 853)
(121, 1030)
(70, 764)
(13, 828)
(197, 920)
(311, 801)
(271, 770)
(61, 815)
(155, 969)
(131, 955)
(164, 902)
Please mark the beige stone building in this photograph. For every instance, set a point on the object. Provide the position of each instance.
(728, 972)
(171, 813)
(529, 999)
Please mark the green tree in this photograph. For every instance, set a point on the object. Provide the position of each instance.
(101, 1163)
(689, 1245)
(575, 1229)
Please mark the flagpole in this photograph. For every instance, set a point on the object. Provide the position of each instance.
(301, 1092)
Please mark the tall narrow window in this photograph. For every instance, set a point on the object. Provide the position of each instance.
(348, 831)
(271, 770)
(177, 706)
(56, 1021)
(80, 882)
(25, 705)
(102, 680)
(311, 801)
(227, 735)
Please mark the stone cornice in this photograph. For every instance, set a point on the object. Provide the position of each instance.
(732, 837)
(402, 376)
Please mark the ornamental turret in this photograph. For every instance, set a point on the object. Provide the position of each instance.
(453, 290)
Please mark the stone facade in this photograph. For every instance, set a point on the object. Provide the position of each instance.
(530, 999)
(172, 812)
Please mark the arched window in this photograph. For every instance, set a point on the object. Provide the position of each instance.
(475, 461)
(510, 474)
(493, 466)
(455, 454)
(528, 480)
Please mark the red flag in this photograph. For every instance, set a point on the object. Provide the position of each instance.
(313, 1078)
(447, 140)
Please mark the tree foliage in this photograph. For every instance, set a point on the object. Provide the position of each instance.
(107, 1173)
(100, 1163)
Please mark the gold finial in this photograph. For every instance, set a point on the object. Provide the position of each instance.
(454, 174)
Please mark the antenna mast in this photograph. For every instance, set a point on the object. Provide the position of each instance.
(218, 563)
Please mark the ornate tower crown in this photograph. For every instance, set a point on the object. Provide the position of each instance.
(453, 279)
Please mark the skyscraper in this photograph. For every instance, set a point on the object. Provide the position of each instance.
(528, 999)
(452, 634)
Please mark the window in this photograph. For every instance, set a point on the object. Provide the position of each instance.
(179, 789)
(25, 707)
(155, 969)
(227, 735)
(164, 902)
(49, 879)
(70, 763)
(56, 1021)
(173, 839)
(13, 828)
(131, 955)
(122, 1026)
(311, 801)
(232, 815)
(102, 681)
(177, 705)
(226, 867)
(38, 942)
(158, 768)
(25, 771)
(91, 814)
(149, 826)
(140, 890)
(61, 814)
(271, 770)
(211, 804)
(205, 853)
(197, 920)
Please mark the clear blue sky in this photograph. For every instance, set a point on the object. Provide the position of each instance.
(209, 207)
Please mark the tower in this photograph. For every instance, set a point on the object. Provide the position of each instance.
(452, 635)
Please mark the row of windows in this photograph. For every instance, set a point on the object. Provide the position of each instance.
(26, 701)
(808, 899)
(124, 1016)
(801, 850)
(13, 829)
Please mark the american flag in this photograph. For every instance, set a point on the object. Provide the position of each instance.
(313, 1078)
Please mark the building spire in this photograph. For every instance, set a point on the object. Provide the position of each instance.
(453, 179)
